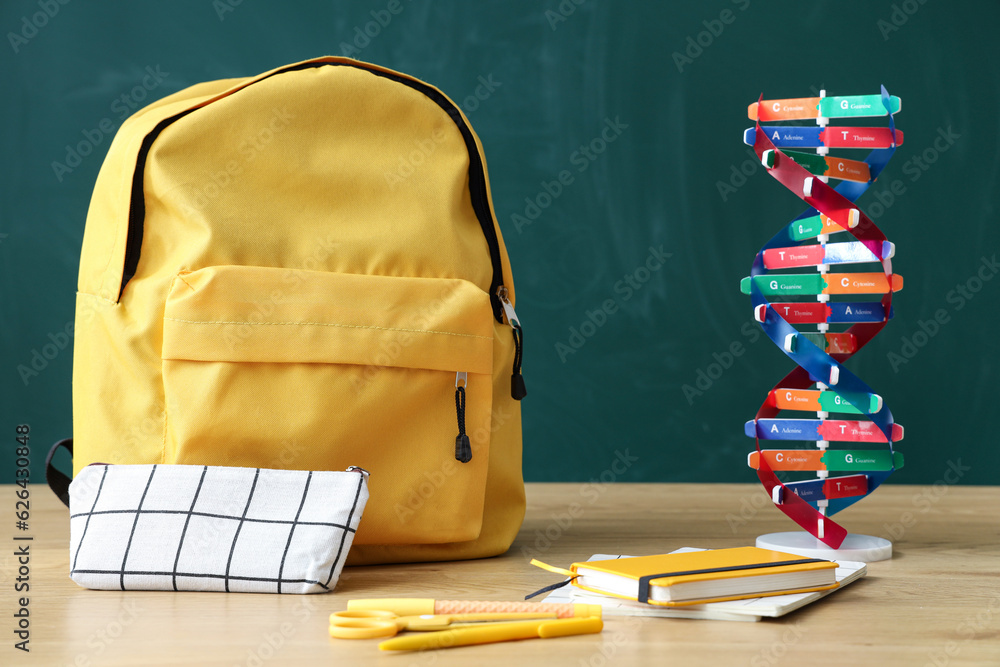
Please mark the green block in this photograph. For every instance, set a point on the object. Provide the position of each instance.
(806, 228)
(831, 401)
(817, 339)
(786, 283)
(811, 162)
(859, 460)
(854, 106)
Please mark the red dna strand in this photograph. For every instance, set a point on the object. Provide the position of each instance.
(794, 268)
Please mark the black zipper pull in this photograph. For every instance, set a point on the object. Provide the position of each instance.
(463, 448)
(517, 388)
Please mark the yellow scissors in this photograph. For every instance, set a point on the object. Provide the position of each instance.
(372, 623)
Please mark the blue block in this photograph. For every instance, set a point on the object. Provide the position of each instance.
(857, 311)
(784, 429)
(809, 490)
(786, 136)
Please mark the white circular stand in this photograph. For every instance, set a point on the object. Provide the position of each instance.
(864, 548)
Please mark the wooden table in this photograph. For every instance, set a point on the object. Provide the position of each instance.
(937, 602)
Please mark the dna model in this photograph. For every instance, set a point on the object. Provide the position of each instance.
(849, 456)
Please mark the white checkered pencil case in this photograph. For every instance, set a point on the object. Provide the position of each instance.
(212, 528)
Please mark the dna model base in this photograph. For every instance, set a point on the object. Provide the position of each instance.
(863, 548)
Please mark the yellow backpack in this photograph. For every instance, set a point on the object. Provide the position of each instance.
(302, 270)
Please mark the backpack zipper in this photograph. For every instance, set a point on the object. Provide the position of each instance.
(463, 448)
(517, 388)
(477, 178)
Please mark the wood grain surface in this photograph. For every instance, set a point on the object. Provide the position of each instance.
(937, 602)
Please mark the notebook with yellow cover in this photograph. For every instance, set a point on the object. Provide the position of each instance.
(699, 577)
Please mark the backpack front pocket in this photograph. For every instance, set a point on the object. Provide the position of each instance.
(310, 370)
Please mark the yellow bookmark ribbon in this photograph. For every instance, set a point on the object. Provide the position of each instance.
(552, 568)
(556, 570)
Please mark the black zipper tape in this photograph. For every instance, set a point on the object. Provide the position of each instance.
(477, 179)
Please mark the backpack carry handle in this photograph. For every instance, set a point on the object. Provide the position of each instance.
(58, 481)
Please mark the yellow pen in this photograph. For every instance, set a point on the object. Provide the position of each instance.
(420, 606)
(495, 632)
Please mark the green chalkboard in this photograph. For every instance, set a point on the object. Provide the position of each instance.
(629, 204)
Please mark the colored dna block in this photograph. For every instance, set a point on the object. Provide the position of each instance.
(829, 253)
(839, 460)
(789, 136)
(836, 430)
(820, 313)
(831, 343)
(832, 488)
(812, 226)
(811, 400)
(822, 165)
(785, 284)
(804, 108)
